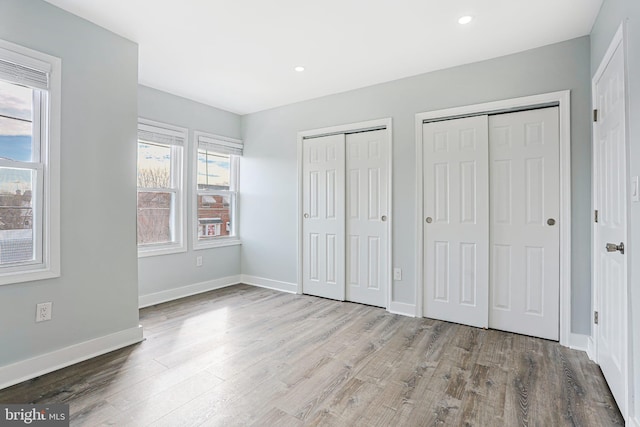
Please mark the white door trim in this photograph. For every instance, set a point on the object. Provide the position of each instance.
(617, 41)
(385, 123)
(563, 100)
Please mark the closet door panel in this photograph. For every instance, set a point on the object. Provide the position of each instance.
(525, 207)
(456, 229)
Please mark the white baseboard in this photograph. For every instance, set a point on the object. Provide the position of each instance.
(579, 342)
(277, 285)
(58, 359)
(186, 291)
(402, 308)
(634, 422)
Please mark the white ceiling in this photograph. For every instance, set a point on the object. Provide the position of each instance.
(239, 55)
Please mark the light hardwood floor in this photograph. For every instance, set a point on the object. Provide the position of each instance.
(249, 356)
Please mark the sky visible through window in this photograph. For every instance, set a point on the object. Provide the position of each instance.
(16, 112)
(154, 165)
(213, 169)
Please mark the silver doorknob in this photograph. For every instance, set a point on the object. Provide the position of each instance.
(306, 215)
(551, 221)
(429, 220)
(384, 218)
(612, 247)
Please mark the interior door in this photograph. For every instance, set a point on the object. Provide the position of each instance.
(456, 229)
(367, 217)
(611, 229)
(525, 206)
(323, 224)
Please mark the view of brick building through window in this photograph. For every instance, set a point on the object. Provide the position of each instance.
(214, 216)
(154, 214)
(154, 209)
(215, 200)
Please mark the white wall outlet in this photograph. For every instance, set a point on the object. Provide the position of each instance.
(397, 273)
(43, 311)
(199, 261)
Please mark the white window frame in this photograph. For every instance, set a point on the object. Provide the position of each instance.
(46, 200)
(234, 192)
(178, 179)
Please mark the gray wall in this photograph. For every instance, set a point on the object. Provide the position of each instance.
(166, 272)
(97, 292)
(269, 172)
(613, 13)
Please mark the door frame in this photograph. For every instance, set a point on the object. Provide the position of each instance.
(618, 40)
(561, 99)
(370, 125)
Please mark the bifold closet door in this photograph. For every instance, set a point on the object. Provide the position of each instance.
(524, 230)
(323, 226)
(456, 229)
(367, 211)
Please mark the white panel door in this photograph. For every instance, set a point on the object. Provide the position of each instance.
(367, 227)
(324, 217)
(611, 202)
(456, 220)
(524, 212)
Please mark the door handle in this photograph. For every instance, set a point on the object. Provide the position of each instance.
(384, 218)
(306, 215)
(612, 247)
(429, 220)
(551, 221)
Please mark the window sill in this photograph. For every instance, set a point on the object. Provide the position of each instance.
(217, 244)
(28, 276)
(161, 250)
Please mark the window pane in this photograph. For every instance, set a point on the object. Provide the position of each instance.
(214, 216)
(16, 111)
(16, 215)
(154, 165)
(214, 170)
(154, 217)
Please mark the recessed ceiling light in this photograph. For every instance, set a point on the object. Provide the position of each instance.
(465, 19)
(299, 68)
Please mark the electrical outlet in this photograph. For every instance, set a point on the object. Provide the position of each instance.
(199, 261)
(43, 311)
(397, 273)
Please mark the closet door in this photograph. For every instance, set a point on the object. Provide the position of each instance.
(525, 275)
(324, 217)
(367, 222)
(456, 229)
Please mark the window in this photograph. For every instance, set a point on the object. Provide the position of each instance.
(160, 188)
(216, 190)
(29, 159)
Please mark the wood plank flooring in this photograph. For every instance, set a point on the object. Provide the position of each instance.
(249, 356)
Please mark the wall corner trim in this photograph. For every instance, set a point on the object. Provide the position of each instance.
(579, 342)
(402, 308)
(262, 282)
(67, 356)
(186, 291)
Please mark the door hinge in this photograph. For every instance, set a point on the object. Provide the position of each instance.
(595, 215)
(595, 115)
(595, 317)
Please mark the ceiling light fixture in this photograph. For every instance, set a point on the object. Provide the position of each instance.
(299, 68)
(465, 19)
